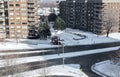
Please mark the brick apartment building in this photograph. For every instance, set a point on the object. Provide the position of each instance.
(17, 17)
(91, 15)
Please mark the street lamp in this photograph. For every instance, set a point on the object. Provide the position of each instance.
(63, 59)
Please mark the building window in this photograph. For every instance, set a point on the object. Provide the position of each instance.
(23, 9)
(24, 18)
(12, 23)
(17, 4)
(17, 18)
(11, 9)
(23, 0)
(11, 0)
(11, 4)
(24, 14)
(17, 0)
(17, 14)
(24, 23)
(24, 27)
(18, 9)
(18, 31)
(12, 27)
(13, 35)
(23, 5)
(18, 26)
(18, 23)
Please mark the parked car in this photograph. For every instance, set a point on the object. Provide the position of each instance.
(55, 40)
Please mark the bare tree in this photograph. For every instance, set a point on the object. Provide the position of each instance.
(109, 20)
(44, 71)
(11, 68)
(109, 23)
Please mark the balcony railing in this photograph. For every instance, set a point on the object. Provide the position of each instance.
(31, 10)
(31, 19)
(31, 6)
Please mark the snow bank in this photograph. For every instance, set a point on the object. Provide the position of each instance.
(66, 70)
(107, 68)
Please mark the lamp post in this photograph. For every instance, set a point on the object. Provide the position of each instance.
(63, 59)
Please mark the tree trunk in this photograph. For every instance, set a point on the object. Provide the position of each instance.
(107, 34)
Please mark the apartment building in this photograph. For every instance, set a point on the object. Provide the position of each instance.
(19, 17)
(91, 15)
(2, 20)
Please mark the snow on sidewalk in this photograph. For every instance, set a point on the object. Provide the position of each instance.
(107, 68)
(56, 56)
(68, 70)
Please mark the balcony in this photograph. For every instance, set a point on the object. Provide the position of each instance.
(2, 16)
(31, 1)
(2, 23)
(31, 23)
(31, 15)
(31, 6)
(1, 10)
(1, 6)
(31, 19)
(1, 19)
(1, 1)
(31, 10)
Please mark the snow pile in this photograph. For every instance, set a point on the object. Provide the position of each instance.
(107, 68)
(115, 35)
(59, 70)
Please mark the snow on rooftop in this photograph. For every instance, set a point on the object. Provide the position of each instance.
(115, 35)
